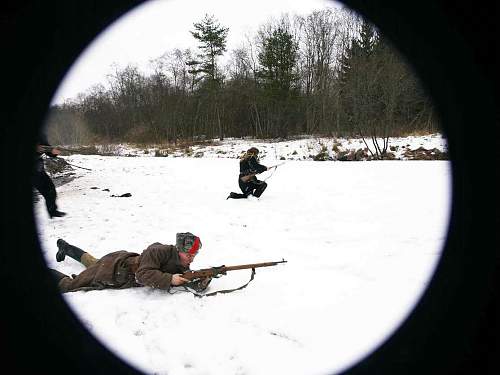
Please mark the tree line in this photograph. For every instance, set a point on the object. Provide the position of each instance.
(329, 73)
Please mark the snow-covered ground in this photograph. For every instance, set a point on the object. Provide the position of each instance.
(361, 239)
(299, 149)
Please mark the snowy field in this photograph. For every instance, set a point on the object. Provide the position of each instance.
(361, 239)
(299, 149)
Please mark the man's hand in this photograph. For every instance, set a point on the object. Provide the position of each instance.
(55, 151)
(177, 279)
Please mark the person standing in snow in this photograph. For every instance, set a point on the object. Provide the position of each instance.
(247, 180)
(42, 181)
(159, 266)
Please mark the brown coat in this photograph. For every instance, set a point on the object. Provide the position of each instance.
(123, 269)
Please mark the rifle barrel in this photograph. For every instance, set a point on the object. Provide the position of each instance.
(254, 265)
(50, 148)
(210, 272)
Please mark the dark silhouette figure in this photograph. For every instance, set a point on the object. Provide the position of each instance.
(247, 180)
(42, 181)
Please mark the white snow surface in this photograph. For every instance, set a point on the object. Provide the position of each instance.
(361, 240)
(304, 148)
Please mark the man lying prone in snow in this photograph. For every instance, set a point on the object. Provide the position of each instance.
(159, 266)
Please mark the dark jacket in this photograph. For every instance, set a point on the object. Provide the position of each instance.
(124, 269)
(39, 166)
(251, 165)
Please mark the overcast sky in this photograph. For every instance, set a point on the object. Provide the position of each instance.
(157, 26)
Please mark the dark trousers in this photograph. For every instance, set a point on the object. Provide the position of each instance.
(253, 187)
(43, 183)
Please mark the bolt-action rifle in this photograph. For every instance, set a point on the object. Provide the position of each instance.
(45, 148)
(222, 270)
(82, 151)
(200, 279)
(248, 177)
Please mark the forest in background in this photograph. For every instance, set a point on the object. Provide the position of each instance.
(329, 73)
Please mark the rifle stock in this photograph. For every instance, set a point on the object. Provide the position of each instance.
(248, 177)
(222, 270)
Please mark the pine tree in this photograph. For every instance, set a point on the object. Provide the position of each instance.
(346, 61)
(278, 77)
(278, 58)
(212, 43)
(212, 39)
(368, 38)
(360, 48)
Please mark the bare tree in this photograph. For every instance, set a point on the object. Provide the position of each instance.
(319, 46)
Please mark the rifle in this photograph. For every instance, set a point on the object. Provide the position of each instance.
(248, 177)
(200, 279)
(45, 148)
(82, 151)
(222, 270)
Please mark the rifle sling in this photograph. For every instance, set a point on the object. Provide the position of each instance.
(221, 291)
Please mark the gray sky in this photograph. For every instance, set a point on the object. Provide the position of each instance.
(157, 26)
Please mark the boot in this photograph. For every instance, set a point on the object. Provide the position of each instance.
(56, 213)
(236, 196)
(69, 250)
(58, 275)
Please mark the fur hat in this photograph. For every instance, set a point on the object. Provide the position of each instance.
(187, 243)
(251, 152)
